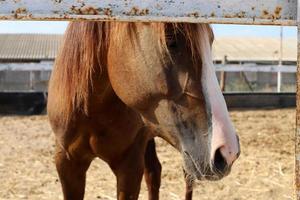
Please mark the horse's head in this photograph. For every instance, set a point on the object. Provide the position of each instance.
(165, 72)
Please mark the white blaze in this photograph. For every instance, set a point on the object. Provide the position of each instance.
(223, 131)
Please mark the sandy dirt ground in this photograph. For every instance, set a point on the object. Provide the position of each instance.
(264, 170)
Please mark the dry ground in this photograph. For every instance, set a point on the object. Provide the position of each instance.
(264, 170)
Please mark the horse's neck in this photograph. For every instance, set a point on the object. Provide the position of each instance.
(102, 95)
(105, 107)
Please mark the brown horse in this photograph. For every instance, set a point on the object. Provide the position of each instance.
(117, 85)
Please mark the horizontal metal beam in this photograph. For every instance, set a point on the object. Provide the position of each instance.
(272, 12)
(40, 66)
(256, 68)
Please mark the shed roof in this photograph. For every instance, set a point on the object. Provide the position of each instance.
(254, 49)
(29, 46)
(14, 47)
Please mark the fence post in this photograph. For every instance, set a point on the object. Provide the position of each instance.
(223, 75)
(279, 75)
(279, 81)
(31, 79)
(297, 132)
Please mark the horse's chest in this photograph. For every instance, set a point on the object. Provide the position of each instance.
(111, 137)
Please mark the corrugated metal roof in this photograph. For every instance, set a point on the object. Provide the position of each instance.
(45, 47)
(254, 49)
(29, 46)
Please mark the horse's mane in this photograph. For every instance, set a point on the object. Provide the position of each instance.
(84, 52)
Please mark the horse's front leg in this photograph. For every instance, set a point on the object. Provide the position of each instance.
(188, 188)
(188, 193)
(129, 176)
(72, 173)
(152, 171)
(129, 170)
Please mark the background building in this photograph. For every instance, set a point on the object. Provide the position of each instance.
(26, 61)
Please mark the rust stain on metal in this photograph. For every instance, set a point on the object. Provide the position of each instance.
(107, 11)
(277, 12)
(20, 11)
(84, 10)
(227, 16)
(144, 11)
(265, 13)
(273, 16)
(240, 14)
(4, 18)
(193, 14)
(135, 11)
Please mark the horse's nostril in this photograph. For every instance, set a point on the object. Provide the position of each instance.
(220, 163)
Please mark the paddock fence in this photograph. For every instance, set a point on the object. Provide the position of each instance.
(270, 12)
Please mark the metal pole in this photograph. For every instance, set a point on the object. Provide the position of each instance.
(280, 60)
(223, 75)
(297, 132)
(281, 46)
(31, 79)
(279, 80)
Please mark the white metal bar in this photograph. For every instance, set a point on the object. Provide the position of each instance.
(256, 68)
(47, 66)
(279, 80)
(219, 67)
(275, 12)
(31, 78)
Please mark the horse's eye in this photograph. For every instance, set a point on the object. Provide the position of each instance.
(172, 43)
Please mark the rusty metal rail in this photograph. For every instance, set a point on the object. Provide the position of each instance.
(266, 12)
(273, 12)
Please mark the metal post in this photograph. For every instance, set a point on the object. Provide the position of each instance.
(279, 79)
(223, 75)
(297, 133)
(31, 77)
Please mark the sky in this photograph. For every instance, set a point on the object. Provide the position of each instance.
(219, 30)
